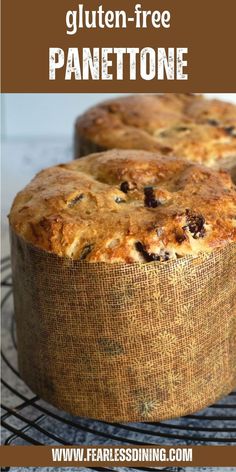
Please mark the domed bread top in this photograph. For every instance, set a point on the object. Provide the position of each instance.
(184, 125)
(127, 206)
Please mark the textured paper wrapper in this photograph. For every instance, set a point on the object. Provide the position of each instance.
(126, 342)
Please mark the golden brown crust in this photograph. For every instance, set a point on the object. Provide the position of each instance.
(127, 206)
(184, 125)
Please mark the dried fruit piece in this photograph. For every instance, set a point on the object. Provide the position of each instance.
(85, 252)
(230, 130)
(150, 256)
(164, 256)
(147, 256)
(75, 200)
(150, 200)
(195, 224)
(213, 122)
(182, 128)
(124, 187)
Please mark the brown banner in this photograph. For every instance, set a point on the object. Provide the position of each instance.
(206, 29)
(93, 456)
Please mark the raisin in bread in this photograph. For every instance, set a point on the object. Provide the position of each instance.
(127, 206)
(184, 125)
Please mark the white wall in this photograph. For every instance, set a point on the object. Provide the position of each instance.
(35, 115)
(48, 115)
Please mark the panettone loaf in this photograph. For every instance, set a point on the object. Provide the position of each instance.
(127, 206)
(184, 125)
(128, 340)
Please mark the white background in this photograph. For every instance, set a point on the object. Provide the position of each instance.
(51, 115)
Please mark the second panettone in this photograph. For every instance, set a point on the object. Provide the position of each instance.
(184, 125)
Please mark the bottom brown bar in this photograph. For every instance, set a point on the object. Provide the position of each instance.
(92, 456)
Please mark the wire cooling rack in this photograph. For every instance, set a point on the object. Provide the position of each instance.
(26, 419)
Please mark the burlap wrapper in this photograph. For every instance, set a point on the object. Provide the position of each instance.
(126, 342)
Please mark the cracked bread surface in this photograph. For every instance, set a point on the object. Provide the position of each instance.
(127, 206)
(184, 125)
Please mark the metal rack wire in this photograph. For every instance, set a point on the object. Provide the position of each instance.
(26, 419)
